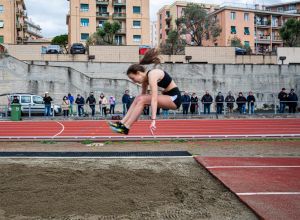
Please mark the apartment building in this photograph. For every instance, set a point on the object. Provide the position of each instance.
(33, 31)
(167, 15)
(153, 34)
(256, 28)
(86, 16)
(287, 7)
(12, 20)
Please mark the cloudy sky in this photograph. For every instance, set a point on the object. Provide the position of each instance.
(51, 15)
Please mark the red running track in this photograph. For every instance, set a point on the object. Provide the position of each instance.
(165, 129)
(269, 186)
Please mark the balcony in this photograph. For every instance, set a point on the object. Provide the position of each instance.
(276, 39)
(119, 15)
(168, 28)
(119, 2)
(19, 27)
(263, 39)
(122, 31)
(168, 18)
(102, 15)
(102, 2)
(263, 24)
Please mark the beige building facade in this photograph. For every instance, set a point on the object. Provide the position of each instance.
(287, 7)
(86, 16)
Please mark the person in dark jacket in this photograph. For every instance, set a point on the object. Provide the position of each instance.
(92, 102)
(185, 103)
(292, 101)
(241, 102)
(251, 100)
(47, 101)
(207, 101)
(230, 100)
(282, 96)
(80, 103)
(15, 100)
(194, 103)
(219, 102)
(126, 102)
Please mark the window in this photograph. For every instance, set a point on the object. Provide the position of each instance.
(37, 100)
(103, 9)
(232, 15)
(101, 23)
(292, 7)
(246, 43)
(1, 39)
(137, 38)
(84, 7)
(136, 24)
(1, 8)
(25, 99)
(118, 39)
(246, 16)
(84, 22)
(233, 30)
(1, 24)
(84, 36)
(280, 9)
(246, 31)
(136, 10)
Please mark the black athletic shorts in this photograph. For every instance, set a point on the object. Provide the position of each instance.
(175, 96)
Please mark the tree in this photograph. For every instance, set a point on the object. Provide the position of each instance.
(105, 35)
(290, 33)
(236, 42)
(173, 45)
(199, 24)
(61, 40)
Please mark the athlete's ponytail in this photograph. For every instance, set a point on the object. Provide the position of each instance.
(151, 57)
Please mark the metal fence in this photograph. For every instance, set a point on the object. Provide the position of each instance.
(185, 110)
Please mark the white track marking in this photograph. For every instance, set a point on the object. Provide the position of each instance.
(149, 157)
(63, 128)
(267, 193)
(230, 167)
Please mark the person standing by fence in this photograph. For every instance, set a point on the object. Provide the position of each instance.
(282, 96)
(112, 103)
(292, 101)
(219, 102)
(80, 104)
(207, 101)
(71, 101)
(230, 100)
(65, 105)
(47, 100)
(251, 100)
(126, 101)
(92, 103)
(186, 103)
(102, 103)
(241, 102)
(194, 103)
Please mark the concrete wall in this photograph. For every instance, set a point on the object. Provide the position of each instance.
(292, 54)
(264, 80)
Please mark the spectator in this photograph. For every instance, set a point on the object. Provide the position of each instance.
(230, 102)
(251, 101)
(165, 113)
(194, 103)
(102, 103)
(186, 103)
(80, 104)
(146, 110)
(282, 96)
(126, 101)
(47, 100)
(71, 101)
(92, 102)
(15, 100)
(65, 105)
(207, 100)
(219, 102)
(112, 104)
(293, 101)
(241, 102)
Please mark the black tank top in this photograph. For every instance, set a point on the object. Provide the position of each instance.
(165, 81)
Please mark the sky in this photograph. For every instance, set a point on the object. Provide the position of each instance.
(51, 15)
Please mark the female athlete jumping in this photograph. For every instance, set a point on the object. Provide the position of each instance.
(169, 99)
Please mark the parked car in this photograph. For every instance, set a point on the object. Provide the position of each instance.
(77, 48)
(33, 103)
(240, 51)
(53, 49)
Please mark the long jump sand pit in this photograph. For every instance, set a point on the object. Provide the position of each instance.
(170, 188)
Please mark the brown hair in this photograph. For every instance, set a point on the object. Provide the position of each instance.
(150, 57)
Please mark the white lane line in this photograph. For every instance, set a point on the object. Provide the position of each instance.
(63, 128)
(98, 157)
(267, 193)
(230, 167)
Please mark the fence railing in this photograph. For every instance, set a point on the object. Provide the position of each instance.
(186, 109)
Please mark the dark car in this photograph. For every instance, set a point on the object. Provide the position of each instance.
(77, 49)
(240, 51)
